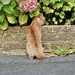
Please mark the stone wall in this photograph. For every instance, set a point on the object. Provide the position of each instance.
(13, 40)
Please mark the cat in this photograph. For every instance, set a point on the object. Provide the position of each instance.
(34, 45)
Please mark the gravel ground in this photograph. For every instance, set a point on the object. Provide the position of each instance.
(22, 65)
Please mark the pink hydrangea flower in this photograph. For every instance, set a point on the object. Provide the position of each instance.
(28, 5)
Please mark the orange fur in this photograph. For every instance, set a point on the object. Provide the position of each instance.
(34, 45)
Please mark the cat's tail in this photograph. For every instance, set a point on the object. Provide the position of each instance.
(41, 56)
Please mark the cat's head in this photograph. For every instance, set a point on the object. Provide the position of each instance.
(40, 19)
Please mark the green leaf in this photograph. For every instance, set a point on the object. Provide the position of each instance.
(59, 48)
(73, 17)
(60, 20)
(66, 8)
(35, 13)
(45, 2)
(56, 13)
(54, 1)
(13, 3)
(16, 12)
(74, 51)
(68, 22)
(57, 5)
(11, 19)
(4, 25)
(51, 10)
(74, 8)
(47, 10)
(57, 52)
(54, 19)
(56, 22)
(8, 9)
(47, 23)
(62, 15)
(71, 4)
(1, 5)
(2, 16)
(5, 2)
(23, 18)
(68, 1)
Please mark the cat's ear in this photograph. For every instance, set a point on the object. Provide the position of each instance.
(40, 14)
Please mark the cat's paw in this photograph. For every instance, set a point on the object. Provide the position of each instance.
(31, 57)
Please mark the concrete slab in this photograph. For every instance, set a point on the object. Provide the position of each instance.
(22, 65)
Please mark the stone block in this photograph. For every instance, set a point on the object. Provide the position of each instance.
(14, 37)
(47, 46)
(14, 45)
(14, 29)
(1, 35)
(62, 44)
(18, 52)
(60, 36)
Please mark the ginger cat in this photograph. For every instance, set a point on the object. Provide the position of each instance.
(34, 45)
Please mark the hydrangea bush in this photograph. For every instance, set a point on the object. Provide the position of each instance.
(28, 5)
(22, 11)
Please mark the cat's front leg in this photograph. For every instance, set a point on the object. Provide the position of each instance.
(30, 51)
